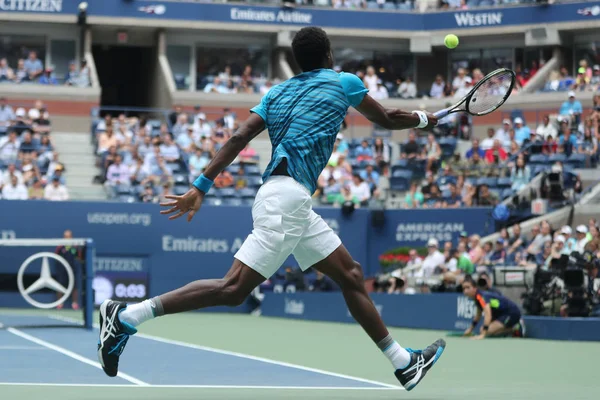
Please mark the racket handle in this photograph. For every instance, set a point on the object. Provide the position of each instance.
(442, 113)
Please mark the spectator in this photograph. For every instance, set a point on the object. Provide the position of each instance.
(434, 260)
(345, 197)
(476, 252)
(55, 191)
(370, 80)
(488, 142)
(33, 66)
(364, 152)
(460, 79)
(360, 189)
(407, 89)
(21, 74)
(9, 147)
(36, 191)
(7, 115)
(522, 132)
(517, 240)
(414, 264)
(381, 93)
(72, 76)
(571, 108)
(381, 151)
(169, 150)
(498, 256)
(567, 143)
(118, 174)
(570, 242)
(437, 88)
(414, 198)
(6, 73)
(496, 154)
(520, 174)
(434, 200)
(463, 90)
(241, 180)
(589, 147)
(224, 179)
(15, 190)
(502, 134)
(454, 200)
(582, 239)
(410, 149)
(475, 149)
(248, 155)
(546, 129)
(106, 140)
(148, 195)
(48, 78)
(433, 152)
(162, 197)
(485, 197)
(371, 177)
(535, 247)
(581, 80)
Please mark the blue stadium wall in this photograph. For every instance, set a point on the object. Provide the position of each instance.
(134, 241)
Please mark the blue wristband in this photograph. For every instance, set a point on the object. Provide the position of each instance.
(203, 184)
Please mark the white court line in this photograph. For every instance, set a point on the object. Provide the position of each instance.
(71, 354)
(196, 386)
(249, 357)
(22, 348)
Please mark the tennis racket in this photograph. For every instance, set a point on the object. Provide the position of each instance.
(487, 96)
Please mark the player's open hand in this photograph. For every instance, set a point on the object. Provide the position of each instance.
(188, 204)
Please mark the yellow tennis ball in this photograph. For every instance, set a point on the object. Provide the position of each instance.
(451, 41)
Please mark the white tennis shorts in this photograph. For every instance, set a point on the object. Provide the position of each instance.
(284, 224)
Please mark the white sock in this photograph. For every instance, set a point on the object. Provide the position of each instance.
(398, 356)
(136, 314)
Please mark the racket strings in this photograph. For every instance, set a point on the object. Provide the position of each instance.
(490, 94)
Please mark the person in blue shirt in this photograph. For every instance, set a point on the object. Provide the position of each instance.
(522, 132)
(501, 316)
(370, 176)
(567, 142)
(571, 107)
(303, 116)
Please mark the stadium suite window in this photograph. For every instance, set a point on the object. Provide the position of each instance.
(212, 62)
(180, 58)
(389, 67)
(17, 47)
(486, 60)
(589, 52)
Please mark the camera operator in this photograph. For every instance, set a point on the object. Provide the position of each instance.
(501, 316)
(582, 285)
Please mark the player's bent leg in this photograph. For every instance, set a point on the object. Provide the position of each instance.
(118, 321)
(410, 365)
(497, 329)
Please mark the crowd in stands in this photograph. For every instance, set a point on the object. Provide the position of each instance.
(31, 70)
(145, 160)
(452, 261)
(587, 79)
(29, 165)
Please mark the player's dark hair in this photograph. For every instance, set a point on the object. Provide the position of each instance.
(311, 47)
(469, 279)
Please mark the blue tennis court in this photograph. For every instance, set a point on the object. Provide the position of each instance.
(35, 350)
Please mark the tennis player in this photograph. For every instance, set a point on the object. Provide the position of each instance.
(303, 116)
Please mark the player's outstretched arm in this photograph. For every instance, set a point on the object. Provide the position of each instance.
(230, 150)
(391, 118)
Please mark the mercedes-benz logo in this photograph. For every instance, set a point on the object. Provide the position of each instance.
(45, 280)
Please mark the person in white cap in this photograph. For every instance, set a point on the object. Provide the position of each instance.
(571, 107)
(570, 241)
(522, 132)
(546, 128)
(433, 260)
(558, 249)
(582, 240)
(502, 133)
